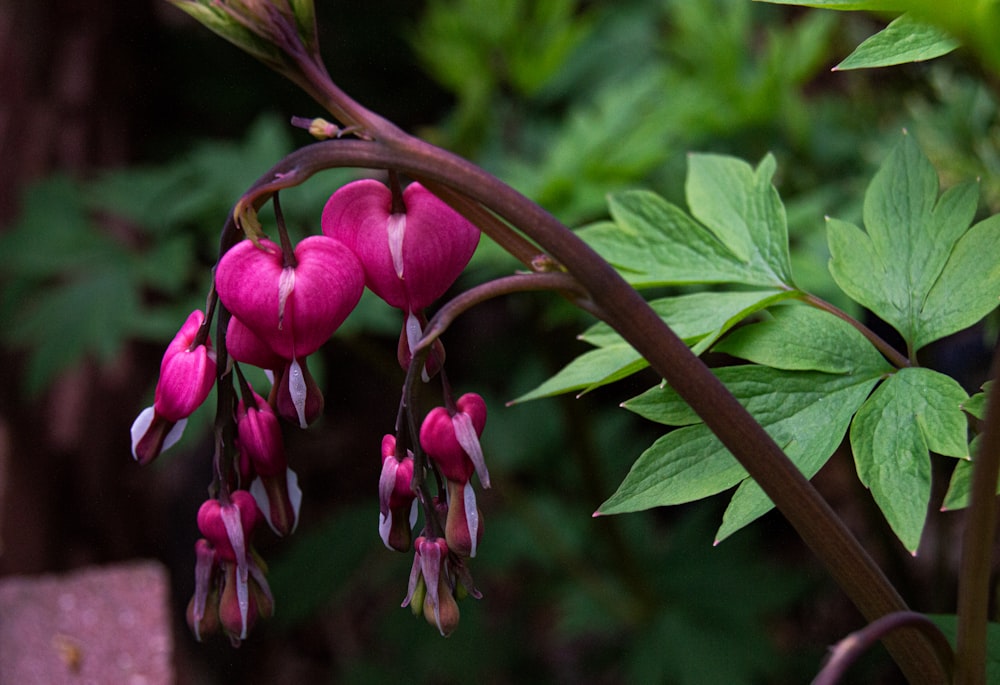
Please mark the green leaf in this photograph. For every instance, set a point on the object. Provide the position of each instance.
(913, 412)
(742, 208)
(804, 411)
(976, 405)
(223, 24)
(698, 319)
(653, 242)
(911, 234)
(804, 338)
(960, 485)
(871, 5)
(743, 237)
(949, 626)
(904, 40)
(60, 326)
(969, 286)
(590, 370)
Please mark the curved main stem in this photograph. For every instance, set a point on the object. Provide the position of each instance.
(630, 315)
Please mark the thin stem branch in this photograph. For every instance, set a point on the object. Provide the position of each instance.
(895, 357)
(481, 293)
(847, 651)
(977, 545)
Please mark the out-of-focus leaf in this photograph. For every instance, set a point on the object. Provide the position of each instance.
(904, 40)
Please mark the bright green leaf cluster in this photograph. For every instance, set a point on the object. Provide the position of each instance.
(917, 264)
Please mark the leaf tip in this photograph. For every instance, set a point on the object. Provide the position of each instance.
(597, 514)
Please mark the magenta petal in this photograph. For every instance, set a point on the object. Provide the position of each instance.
(293, 313)
(186, 373)
(246, 346)
(437, 437)
(259, 434)
(410, 263)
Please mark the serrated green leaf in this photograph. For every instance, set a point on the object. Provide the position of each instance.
(740, 205)
(801, 410)
(803, 338)
(653, 242)
(699, 319)
(696, 315)
(892, 266)
(960, 485)
(904, 40)
(915, 411)
(590, 370)
(969, 286)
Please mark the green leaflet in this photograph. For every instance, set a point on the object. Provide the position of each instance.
(804, 338)
(917, 265)
(698, 319)
(742, 208)
(742, 237)
(806, 412)
(915, 411)
(957, 496)
(904, 40)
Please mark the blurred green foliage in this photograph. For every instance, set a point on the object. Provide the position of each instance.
(568, 101)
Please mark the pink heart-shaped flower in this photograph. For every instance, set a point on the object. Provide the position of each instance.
(293, 309)
(411, 258)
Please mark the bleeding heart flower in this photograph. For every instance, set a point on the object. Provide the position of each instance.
(410, 258)
(187, 374)
(432, 585)
(452, 439)
(396, 498)
(293, 307)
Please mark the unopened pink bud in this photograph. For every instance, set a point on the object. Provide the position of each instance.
(186, 373)
(279, 499)
(452, 440)
(228, 527)
(259, 436)
(397, 500)
(463, 527)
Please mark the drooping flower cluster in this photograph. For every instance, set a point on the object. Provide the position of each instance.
(231, 591)
(283, 303)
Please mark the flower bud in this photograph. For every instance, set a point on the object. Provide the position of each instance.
(279, 499)
(397, 500)
(299, 399)
(259, 436)
(187, 373)
(430, 565)
(463, 527)
(452, 439)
